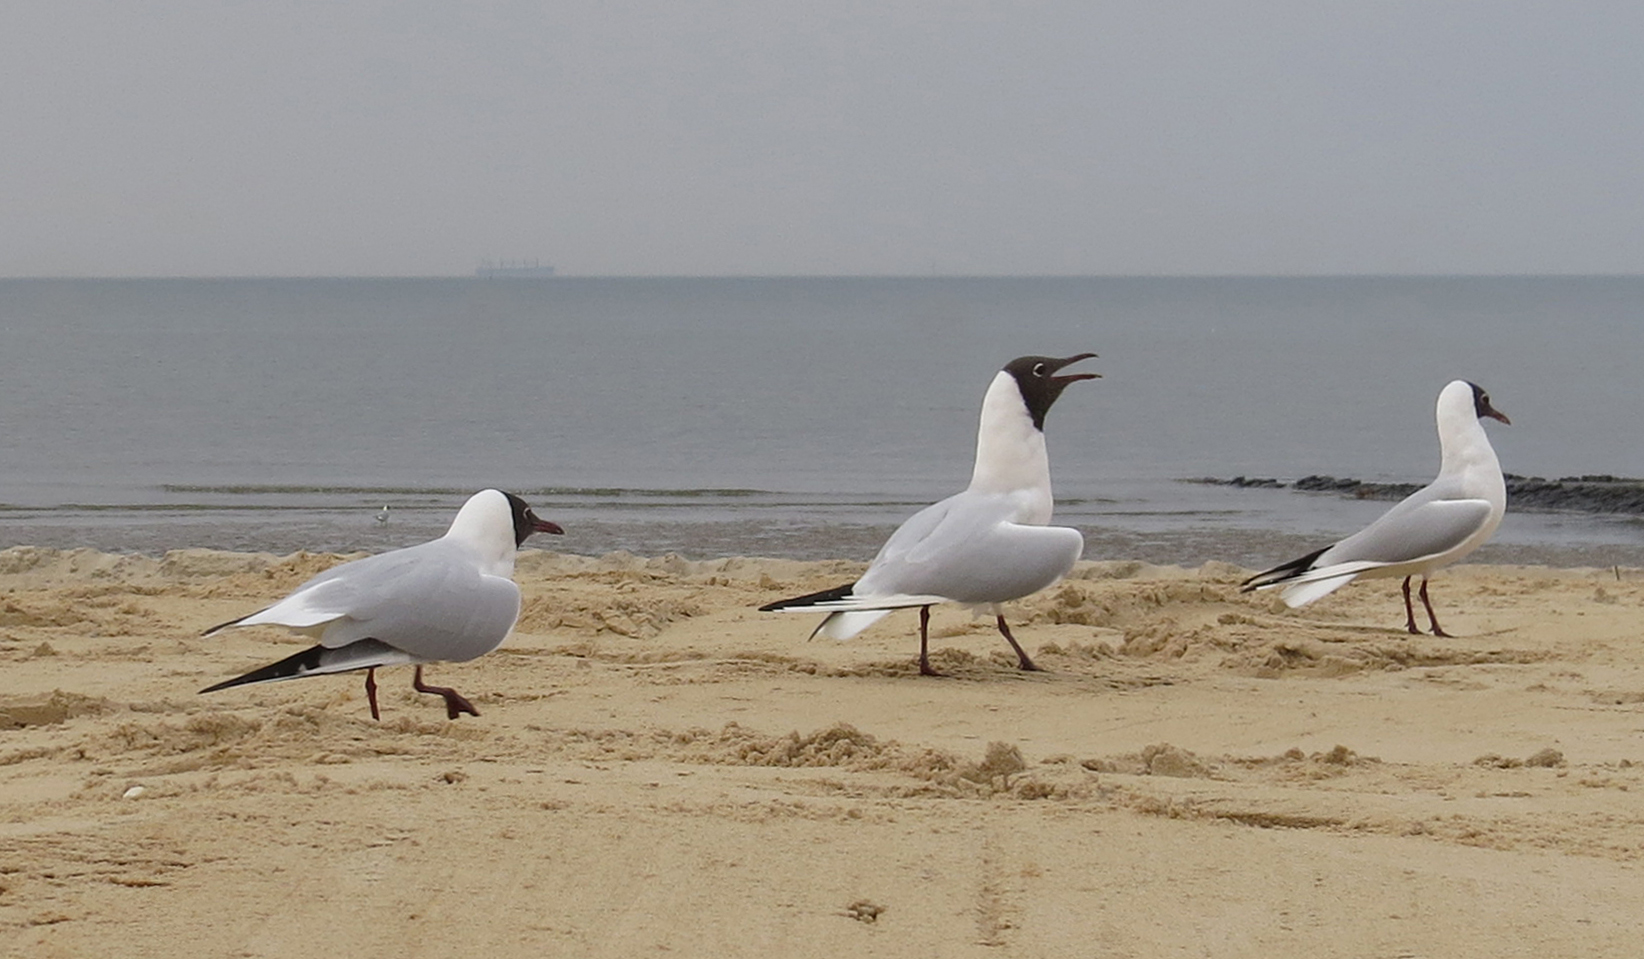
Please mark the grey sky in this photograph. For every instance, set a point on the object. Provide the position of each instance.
(861, 137)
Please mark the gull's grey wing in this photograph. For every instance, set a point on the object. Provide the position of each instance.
(429, 600)
(339, 591)
(1419, 527)
(966, 549)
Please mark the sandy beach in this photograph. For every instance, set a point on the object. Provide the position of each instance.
(661, 770)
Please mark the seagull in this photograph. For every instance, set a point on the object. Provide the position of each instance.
(451, 599)
(982, 547)
(1431, 528)
(382, 515)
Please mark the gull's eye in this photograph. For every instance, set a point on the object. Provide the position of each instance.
(1038, 369)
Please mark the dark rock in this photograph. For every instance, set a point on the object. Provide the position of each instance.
(1590, 493)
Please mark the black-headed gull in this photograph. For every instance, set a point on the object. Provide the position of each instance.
(985, 546)
(1431, 528)
(448, 600)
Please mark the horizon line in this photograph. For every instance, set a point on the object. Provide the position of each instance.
(59, 277)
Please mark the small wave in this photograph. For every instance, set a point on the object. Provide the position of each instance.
(306, 489)
(290, 489)
(620, 491)
(168, 508)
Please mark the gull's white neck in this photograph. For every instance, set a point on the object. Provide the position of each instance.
(485, 526)
(1010, 452)
(1466, 453)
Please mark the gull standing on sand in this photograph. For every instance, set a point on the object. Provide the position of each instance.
(450, 600)
(1431, 528)
(985, 546)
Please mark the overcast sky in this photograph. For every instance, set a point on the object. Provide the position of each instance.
(722, 137)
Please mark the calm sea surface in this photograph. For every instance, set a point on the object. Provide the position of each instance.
(785, 417)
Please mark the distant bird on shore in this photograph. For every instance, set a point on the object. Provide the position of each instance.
(382, 515)
(1431, 528)
(447, 600)
(985, 546)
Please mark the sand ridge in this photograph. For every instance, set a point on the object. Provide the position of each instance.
(660, 768)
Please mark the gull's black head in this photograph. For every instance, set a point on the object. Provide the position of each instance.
(1481, 405)
(1036, 378)
(526, 522)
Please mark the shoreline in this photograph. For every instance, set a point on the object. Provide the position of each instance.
(70, 562)
(1537, 538)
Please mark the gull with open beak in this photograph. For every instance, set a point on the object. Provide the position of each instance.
(983, 547)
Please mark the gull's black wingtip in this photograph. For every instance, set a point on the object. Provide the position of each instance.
(292, 666)
(233, 622)
(809, 599)
(223, 625)
(1278, 574)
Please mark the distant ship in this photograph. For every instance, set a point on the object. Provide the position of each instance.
(510, 269)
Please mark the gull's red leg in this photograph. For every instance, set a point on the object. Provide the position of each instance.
(1437, 629)
(1409, 610)
(455, 703)
(924, 643)
(1021, 656)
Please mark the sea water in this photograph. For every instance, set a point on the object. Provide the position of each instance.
(797, 417)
